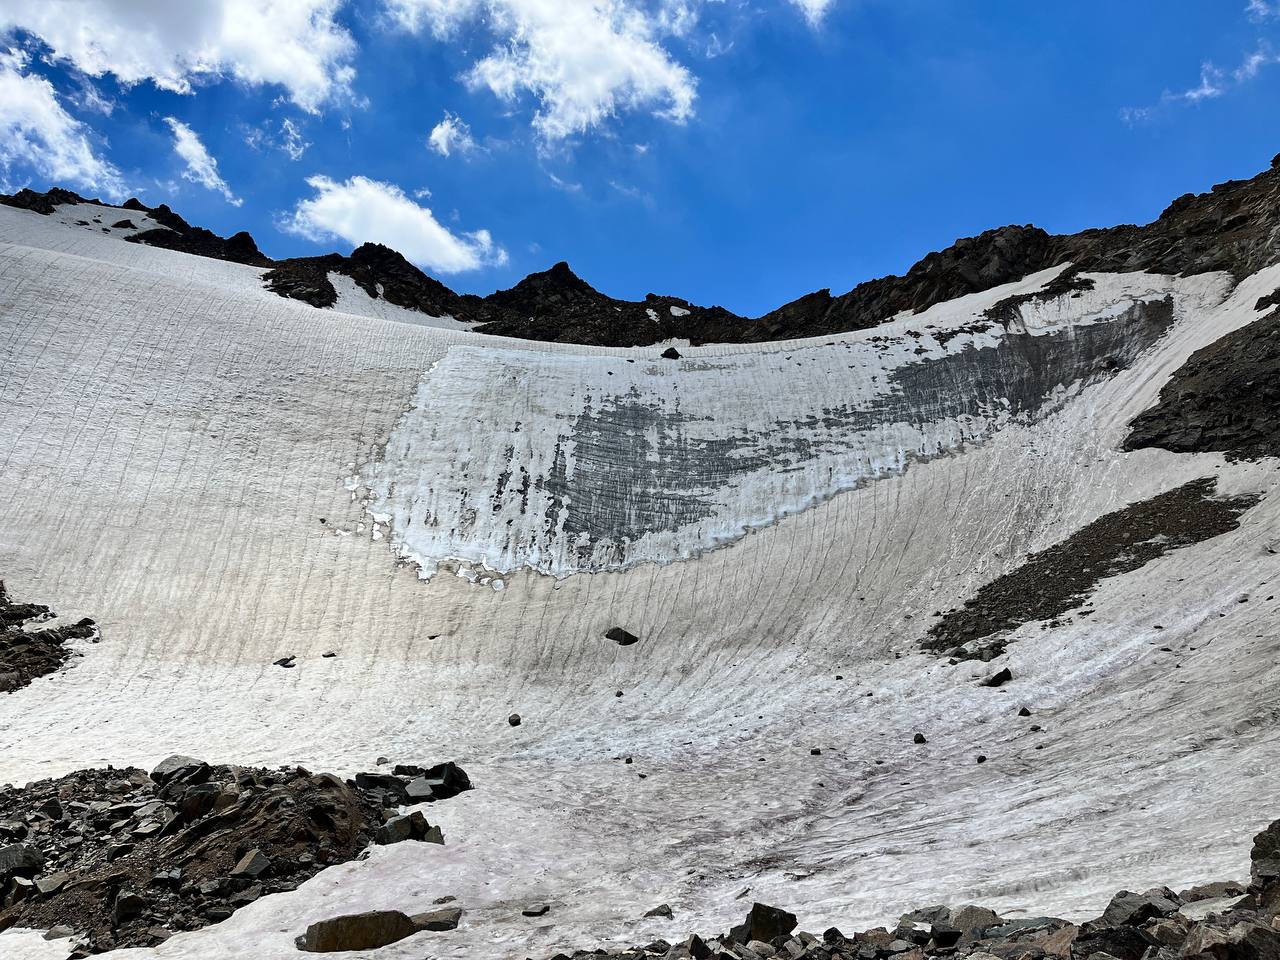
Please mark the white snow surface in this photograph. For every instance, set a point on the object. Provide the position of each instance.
(171, 436)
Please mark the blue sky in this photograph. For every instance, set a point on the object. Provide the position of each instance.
(739, 153)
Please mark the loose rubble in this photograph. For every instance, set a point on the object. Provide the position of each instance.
(1053, 581)
(122, 858)
(27, 653)
(1224, 920)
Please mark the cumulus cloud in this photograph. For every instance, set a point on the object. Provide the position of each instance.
(37, 133)
(452, 135)
(363, 210)
(296, 44)
(583, 62)
(201, 167)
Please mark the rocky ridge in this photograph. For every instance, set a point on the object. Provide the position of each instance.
(1235, 227)
(1224, 920)
(120, 857)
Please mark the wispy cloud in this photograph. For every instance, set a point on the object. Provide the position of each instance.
(1259, 10)
(1214, 82)
(201, 167)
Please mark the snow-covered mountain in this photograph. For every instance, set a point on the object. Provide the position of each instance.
(1053, 456)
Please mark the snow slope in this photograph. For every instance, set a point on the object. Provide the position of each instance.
(221, 477)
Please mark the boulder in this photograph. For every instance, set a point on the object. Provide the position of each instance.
(181, 769)
(253, 864)
(20, 860)
(127, 906)
(763, 923)
(661, 910)
(1212, 891)
(514, 720)
(1135, 909)
(998, 679)
(357, 931)
(445, 918)
(384, 782)
(199, 799)
(1123, 943)
(623, 638)
(535, 910)
(970, 918)
(412, 826)
(671, 353)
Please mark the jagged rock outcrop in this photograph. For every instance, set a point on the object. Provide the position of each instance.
(42, 203)
(182, 236)
(1223, 399)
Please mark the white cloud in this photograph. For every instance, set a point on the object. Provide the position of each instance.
(36, 132)
(584, 62)
(291, 140)
(1262, 9)
(814, 10)
(1210, 86)
(363, 210)
(201, 167)
(296, 44)
(452, 135)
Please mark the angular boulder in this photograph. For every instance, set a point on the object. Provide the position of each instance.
(179, 768)
(357, 931)
(445, 918)
(623, 638)
(763, 923)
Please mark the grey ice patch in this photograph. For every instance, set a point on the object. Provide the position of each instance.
(566, 463)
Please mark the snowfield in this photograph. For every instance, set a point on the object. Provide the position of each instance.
(221, 477)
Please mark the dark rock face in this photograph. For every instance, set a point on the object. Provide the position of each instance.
(1264, 872)
(43, 203)
(1055, 580)
(127, 858)
(1223, 399)
(26, 654)
(183, 237)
